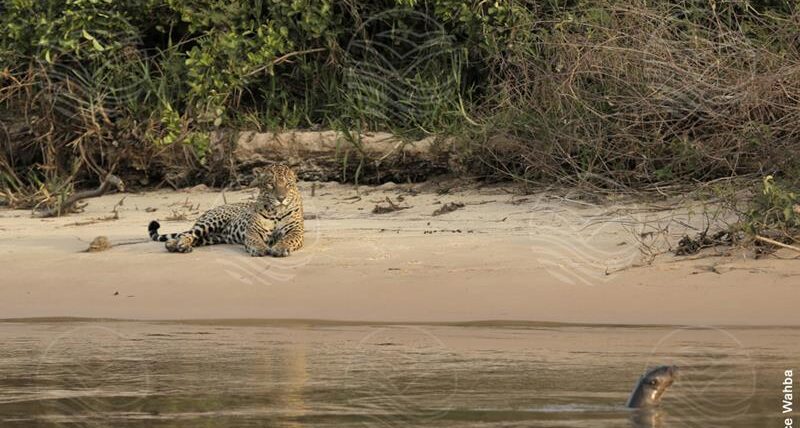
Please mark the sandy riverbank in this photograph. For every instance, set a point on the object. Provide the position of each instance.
(500, 257)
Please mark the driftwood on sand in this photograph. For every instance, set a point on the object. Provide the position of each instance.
(111, 181)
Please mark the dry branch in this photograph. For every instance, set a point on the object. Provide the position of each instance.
(67, 205)
(777, 243)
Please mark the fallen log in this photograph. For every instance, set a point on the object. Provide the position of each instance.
(371, 158)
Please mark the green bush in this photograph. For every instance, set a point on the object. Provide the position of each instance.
(614, 94)
(774, 208)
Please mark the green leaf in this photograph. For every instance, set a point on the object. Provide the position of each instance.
(97, 46)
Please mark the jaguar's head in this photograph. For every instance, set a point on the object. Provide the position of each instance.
(277, 184)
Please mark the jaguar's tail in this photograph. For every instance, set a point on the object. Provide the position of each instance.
(153, 230)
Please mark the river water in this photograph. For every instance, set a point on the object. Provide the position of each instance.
(296, 374)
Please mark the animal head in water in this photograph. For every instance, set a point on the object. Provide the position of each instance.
(651, 386)
(277, 183)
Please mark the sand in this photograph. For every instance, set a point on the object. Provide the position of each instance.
(502, 256)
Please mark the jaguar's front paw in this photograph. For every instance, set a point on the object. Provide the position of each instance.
(279, 252)
(257, 252)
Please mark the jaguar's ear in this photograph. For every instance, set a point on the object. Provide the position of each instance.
(258, 176)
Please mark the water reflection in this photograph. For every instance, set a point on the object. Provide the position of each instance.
(294, 376)
(647, 418)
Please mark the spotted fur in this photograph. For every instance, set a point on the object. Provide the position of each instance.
(272, 225)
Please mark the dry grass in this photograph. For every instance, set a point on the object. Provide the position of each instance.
(623, 95)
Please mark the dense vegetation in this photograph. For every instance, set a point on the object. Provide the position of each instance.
(605, 93)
